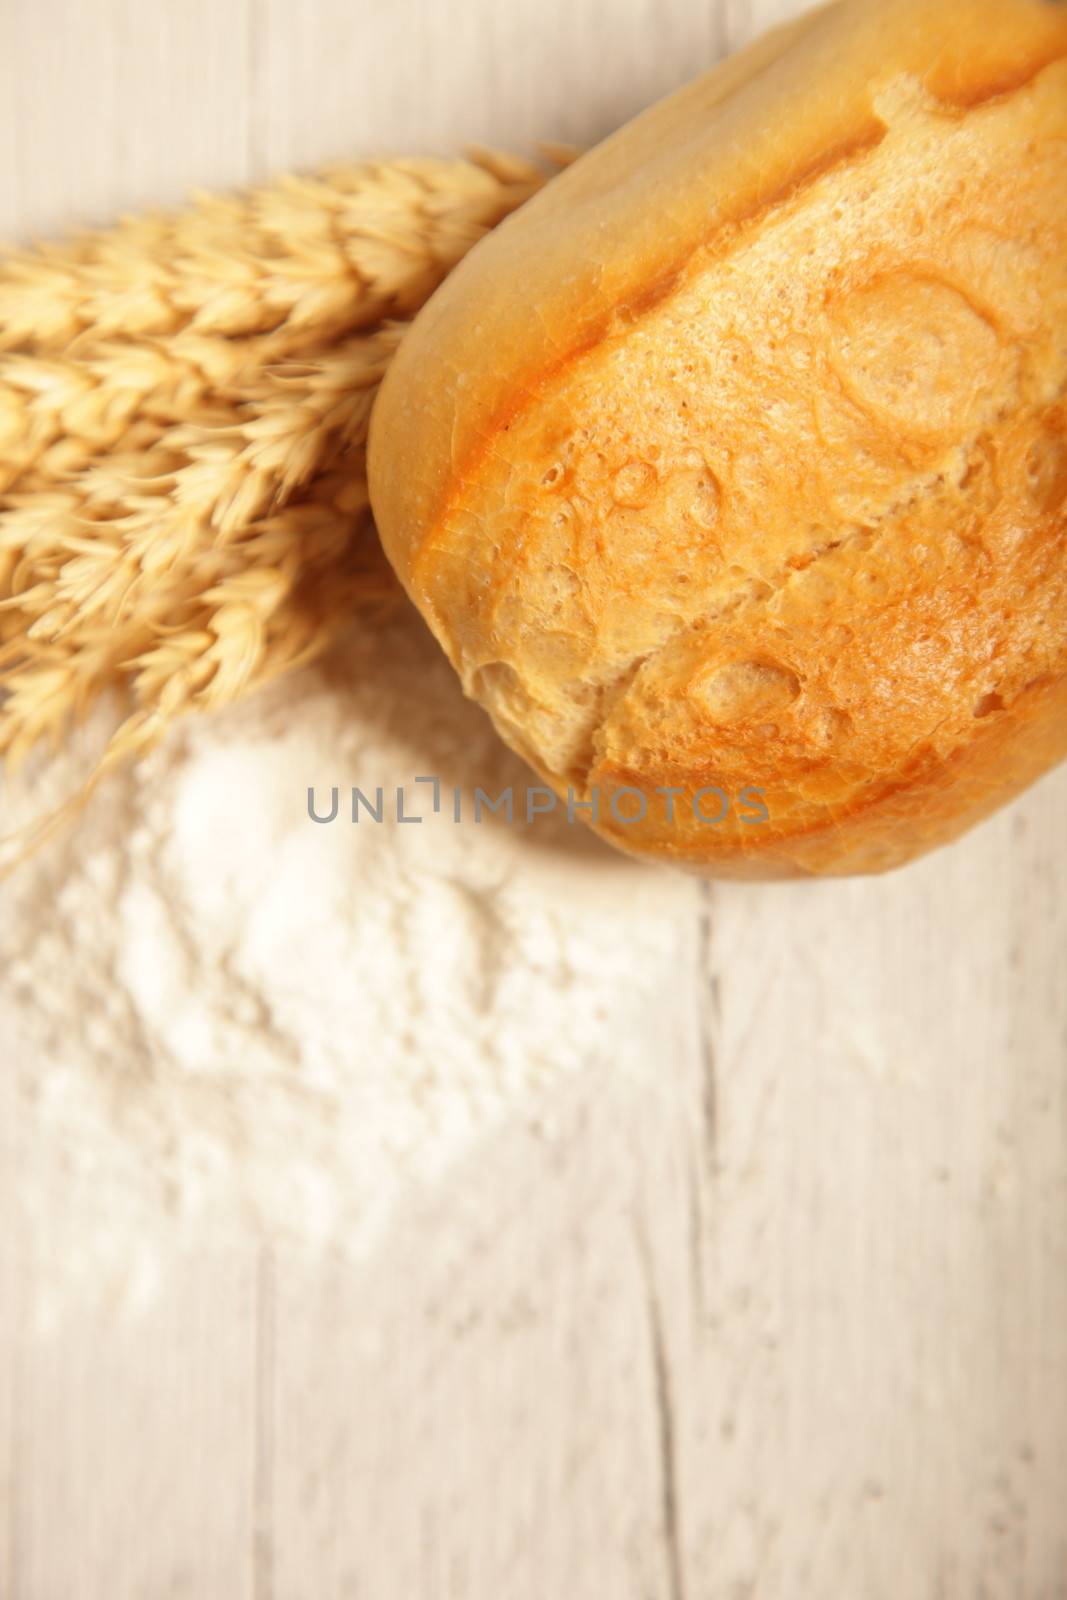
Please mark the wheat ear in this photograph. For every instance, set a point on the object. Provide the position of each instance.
(183, 411)
(333, 251)
(149, 318)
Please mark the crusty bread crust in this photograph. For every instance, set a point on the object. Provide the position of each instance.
(738, 457)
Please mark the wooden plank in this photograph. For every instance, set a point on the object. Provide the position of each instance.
(119, 105)
(134, 1446)
(480, 1411)
(888, 1240)
(129, 1435)
(429, 75)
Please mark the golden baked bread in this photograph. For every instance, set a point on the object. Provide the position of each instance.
(737, 459)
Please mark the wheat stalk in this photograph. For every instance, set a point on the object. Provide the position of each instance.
(184, 403)
(172, 506)
(58, 412)
(160, 311)
(331, 252)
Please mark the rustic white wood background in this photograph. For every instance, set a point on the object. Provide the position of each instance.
(787, 1321)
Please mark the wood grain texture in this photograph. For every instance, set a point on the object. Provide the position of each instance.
(785, 1316)
(134, 1445)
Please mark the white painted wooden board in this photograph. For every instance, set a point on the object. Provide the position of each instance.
(784, 1318)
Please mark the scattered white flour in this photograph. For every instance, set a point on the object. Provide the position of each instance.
(220, 1018)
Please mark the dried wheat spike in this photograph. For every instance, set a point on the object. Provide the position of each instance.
(184, 402)
(157, 313)
(330, 252)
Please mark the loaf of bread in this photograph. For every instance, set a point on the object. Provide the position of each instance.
(732, 469)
